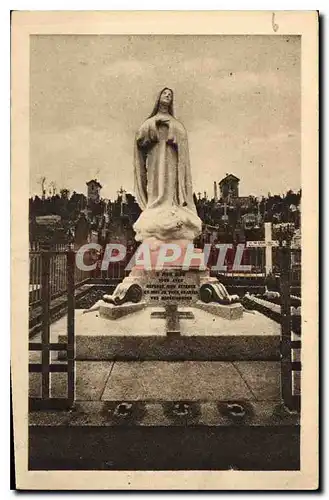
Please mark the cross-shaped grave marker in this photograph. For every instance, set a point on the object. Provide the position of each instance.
(268, 243)
(172, 317)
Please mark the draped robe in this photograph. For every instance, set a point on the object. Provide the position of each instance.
(163, 182)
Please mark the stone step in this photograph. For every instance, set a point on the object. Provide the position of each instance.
(160, 436)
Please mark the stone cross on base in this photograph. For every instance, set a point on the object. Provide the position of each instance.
(225, 216)
(172, 317)
(122, 193)
(268, 243)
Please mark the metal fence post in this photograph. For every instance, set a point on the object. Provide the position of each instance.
(70, 325)
(286, 368)
(45, 302)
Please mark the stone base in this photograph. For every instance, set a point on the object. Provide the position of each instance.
(111, 311)
(176, 348)
(206, 337)
(174, 286)
(229, 311)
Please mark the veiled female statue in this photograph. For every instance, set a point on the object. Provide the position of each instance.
(163, 188)
(163, 182)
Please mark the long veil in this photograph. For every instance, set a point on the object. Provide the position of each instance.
(157, 102)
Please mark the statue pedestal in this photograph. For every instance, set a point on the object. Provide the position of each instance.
(111, 311)
(227, 311)
(171, 286)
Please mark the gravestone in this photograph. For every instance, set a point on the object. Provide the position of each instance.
(82, 230)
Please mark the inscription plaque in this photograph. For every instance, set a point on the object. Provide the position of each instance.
(171, 286)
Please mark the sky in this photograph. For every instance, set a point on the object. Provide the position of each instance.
(237, 96)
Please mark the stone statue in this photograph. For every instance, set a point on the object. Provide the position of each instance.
(163, 181)
(163, 189)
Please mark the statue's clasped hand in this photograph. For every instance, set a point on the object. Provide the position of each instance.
(171, 139)
(162, 120)
(166, 121)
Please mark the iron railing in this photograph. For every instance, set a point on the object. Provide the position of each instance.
(45, 346)
(57, 272)
(290, 342)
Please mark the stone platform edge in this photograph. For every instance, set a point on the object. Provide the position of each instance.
(162, 413)
(178, 348)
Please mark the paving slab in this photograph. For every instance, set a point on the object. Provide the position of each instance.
(91, 378)
(262, 378)
(35, 385)
(58, 385)
(188, 380)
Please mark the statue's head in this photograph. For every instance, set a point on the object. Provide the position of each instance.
(165, 97)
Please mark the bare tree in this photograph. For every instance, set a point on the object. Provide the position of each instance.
(42, 182)
(53, 187)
